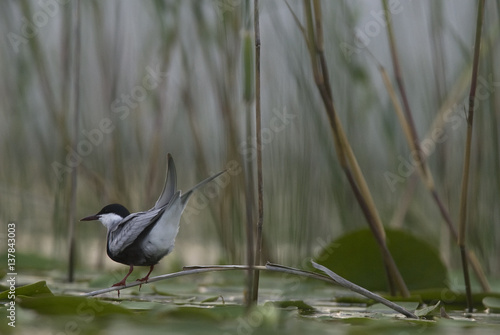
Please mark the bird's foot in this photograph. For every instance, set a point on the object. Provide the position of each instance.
(120, 283)
(144, 280)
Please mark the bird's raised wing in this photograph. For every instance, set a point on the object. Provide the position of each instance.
(127, 231)
(170, 184)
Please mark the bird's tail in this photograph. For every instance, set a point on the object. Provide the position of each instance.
(185, 196)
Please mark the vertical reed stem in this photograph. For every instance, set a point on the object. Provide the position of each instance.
(76, 113)
(347, 159)
(250, 295)
(258, 131)
(426, 174)
(468, 144)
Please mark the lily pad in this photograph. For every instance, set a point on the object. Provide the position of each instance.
(429, 310)
(70, 305)
(492, 303)
(356, 257)
(139, 305)
(299, 304)
(212, 313)
(380, 308)
(31, 290)
(212, 299)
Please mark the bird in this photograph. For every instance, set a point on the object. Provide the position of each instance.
(144, 238)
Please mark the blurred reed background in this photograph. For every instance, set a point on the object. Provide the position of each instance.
(170, 76)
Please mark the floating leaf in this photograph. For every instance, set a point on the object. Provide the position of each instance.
(164, 293)
(356, 257)
(445, 295)
(429, 310)
(69, 305)
(381, 308)
(212, 299)
(492, 303)
(212, 313)
(31, 290)
(301, 305)
(138, 305)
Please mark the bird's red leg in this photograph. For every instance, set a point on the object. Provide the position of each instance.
(145, 279)
(147, 276)
(122, 282)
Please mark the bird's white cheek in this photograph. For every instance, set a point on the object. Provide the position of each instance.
(108, 220)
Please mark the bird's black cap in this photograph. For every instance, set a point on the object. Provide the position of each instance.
(113, 208)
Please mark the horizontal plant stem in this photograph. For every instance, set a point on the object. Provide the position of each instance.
(190, 271)
(332, 279)
(358, 289)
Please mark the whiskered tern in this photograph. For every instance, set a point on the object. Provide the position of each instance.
(144, 238)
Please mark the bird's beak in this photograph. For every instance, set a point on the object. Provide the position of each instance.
(90, 218)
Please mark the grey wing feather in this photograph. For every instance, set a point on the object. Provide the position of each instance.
(127, 231)
(185, 196)
(170, 184)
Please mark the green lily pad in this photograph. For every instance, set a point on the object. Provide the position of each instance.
(31, 290)
(445, 295)
(139, 305)
(492, 303)
(356, 257)
(164, 293)
(212, 313)
(381, 308)
(301, 305)
(429, 310)
(70, 305)
(212, 299)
